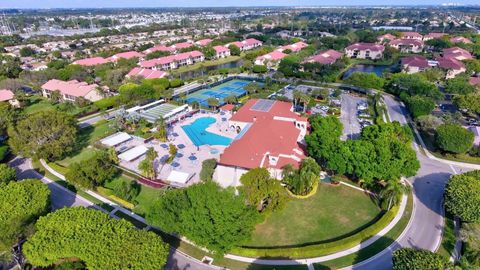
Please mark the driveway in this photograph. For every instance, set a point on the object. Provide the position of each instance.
(349, 119)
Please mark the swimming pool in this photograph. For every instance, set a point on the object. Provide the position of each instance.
(197, 133)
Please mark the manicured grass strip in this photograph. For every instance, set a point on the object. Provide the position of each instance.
(135, 222)
(373, 249)
(448, 240)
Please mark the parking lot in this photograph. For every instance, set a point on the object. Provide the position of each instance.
(352, 124)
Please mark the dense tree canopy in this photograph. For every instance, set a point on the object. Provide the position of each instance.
(383, 152)
(365, 80)
(7, 173)
(92, 172)
(46, 134)
(462, 196)
(208, 168)
(92, 236)
(262, 191)
(409, 259)
(459, 85)
(206, 214)
(419, 105)
(412, 84)
(21, 203)
(454, 138)
(302, 180)
(470, 102)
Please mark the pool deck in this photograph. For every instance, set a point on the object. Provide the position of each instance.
(201, 153)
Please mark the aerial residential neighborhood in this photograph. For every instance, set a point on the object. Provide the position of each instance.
(252, 135)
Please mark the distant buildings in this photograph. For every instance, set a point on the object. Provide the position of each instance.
(460, 40)
(8, 96)
(365, 51)
(433, 35)
(296, 47)
(93, 61)
(161, 48)
(386, 38)
(411, 35)
(203, 42)
(270, 136)
(71, 90)
(174, 61)
(327, 57)
(126, 55)
(457, 53)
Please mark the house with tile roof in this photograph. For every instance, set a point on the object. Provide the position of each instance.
(146, 73)
(457, 53)
(161, 48)
(433, 35)
(386, 37)
(414, 64)
(247, 44)
(221, 51)
(8, 96)
(365, 51)
(203, 42)
(270, 135)
(127, 55)
(295, 47)
(460, 40)
(327, 57)
(407, 45)
(411, 35)
(270, 59)
(452, 66)
(92, 61)
(71, 90)
(173, 61)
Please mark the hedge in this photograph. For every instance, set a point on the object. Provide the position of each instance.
(106, 103)
(317, 250)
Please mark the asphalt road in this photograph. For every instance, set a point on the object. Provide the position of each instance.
(62, 197)
(349, 119)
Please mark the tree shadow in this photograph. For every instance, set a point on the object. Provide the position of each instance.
(291, 264)
(429, 190)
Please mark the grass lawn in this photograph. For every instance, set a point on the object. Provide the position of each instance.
(448, 239)
(144, 200)
(332, 213)
(38, 104)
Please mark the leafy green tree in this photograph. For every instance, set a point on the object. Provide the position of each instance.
(10, 67)
(209, 52)
(390, 194)
(127, 190)
(259, 69)
(208, 168)
(161, 133)
(7, 173)
(454, 138)
(302, 181)
(234, 50)
(21, 203)
(470, 102)
(96, 239)
(411, 85)
(213, 102)
(459, 85)
(409, 259)
(462, 196)
(419, 105)
(7, 117)
(26, 52)
(92, 172)
(205, 213)
(365, 80)
(147, 166)
(262, 191)
(46, 134)
(469, 233)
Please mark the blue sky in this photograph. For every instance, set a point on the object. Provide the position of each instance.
(208, 3)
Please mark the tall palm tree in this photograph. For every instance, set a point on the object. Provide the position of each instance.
(391, 193)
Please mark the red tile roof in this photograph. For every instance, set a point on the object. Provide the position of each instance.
(326, 58)
(6, 95)
(161, 48)
(128, 55)
(434, 35)
(457, 53)
(474, 81)
(204, 42)
(460, 40)
(93, 61)
(220, 49)
(295, 47)
(411, 35)
(450, 63)
(72, 88)
(268, 135)
(147, 73)
(169, 59)
(273, 56)
(415, 61)
(386, 36)
(403, 42)
(227, 107)
(366, 46)
(182, 45)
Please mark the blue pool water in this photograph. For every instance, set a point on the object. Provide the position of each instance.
(197, 133)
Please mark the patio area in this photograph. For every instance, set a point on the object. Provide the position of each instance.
(189, 158)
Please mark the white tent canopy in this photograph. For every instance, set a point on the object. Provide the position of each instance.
(178, 177)
(133, 153)
(116, 139)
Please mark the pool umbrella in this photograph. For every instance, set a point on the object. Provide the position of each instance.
(180, 146)
(175, 134)
(224, 119)
(222, 113)
(192, 157)
(175, 164)
(164, 145)
(179, 155)
(164, 158)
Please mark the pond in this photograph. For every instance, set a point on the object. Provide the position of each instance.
(204, 72)
(377, 69)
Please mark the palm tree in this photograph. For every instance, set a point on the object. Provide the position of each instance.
(213, 102)
(296, 97)
(305, 99)
(391, 193)
(161, 133)
(147, 169)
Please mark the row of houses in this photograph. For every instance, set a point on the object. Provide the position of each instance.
(417, 36)
(273, 58)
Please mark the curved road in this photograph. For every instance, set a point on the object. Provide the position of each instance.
(424, 231)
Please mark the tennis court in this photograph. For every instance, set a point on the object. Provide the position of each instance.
(233, 87)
